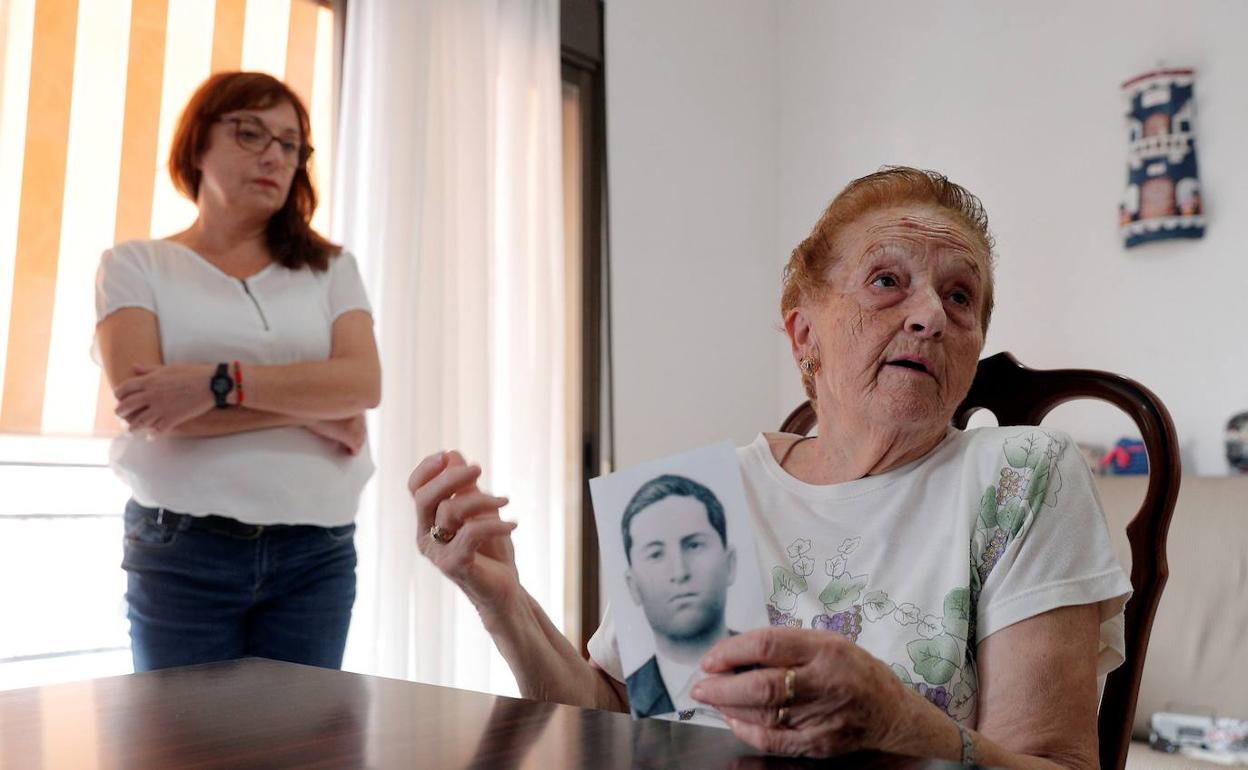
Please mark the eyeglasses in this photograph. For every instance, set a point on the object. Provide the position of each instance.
(252, 136)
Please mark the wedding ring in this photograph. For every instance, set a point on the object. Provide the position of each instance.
(790, 685)
(441, 535)
(782, 716)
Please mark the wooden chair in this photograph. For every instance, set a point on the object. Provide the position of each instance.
(1021, 396)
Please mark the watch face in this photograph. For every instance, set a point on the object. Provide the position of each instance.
(220, 385)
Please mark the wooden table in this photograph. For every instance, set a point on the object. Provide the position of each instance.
(258, 713)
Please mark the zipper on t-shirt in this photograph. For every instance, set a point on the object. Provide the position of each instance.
(252, 297)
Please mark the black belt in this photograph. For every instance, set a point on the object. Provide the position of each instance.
(219, 525)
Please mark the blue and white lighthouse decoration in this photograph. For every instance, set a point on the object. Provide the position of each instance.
(1163, 198)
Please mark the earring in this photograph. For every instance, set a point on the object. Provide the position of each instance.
(808, 366)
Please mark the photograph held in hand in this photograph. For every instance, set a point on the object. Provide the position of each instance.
(670, 534)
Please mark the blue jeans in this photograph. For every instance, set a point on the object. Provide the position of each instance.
(198, 595)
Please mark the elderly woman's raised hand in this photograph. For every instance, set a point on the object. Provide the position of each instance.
(838, 698)
(473, 544)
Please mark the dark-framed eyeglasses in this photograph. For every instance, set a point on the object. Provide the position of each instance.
(253, 136)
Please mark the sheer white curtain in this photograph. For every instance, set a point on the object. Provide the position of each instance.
(449, 192)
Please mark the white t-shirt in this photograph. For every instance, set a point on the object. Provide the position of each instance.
(994, 526)
(277, 316)
(679, 680)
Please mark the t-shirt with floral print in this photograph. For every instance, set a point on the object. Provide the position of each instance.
(993, 526)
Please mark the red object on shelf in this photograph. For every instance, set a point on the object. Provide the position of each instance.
(1127, 458)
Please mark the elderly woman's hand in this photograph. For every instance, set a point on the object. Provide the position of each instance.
(839, 699)
(473, 544)
(160, 398)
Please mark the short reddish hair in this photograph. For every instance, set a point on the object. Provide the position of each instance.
(805, 274)
(289, 234)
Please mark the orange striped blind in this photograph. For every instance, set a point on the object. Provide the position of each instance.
(90, 91)
(227, 35)
(38, 223)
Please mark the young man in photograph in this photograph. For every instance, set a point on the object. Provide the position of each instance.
(679, 570)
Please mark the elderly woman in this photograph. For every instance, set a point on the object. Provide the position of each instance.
(934, 592)
(241, 352)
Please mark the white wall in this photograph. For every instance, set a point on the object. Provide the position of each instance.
(1020, 102)
(731, 124)
(691, 126)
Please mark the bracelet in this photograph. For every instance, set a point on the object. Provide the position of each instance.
(238, 382)
(968, 745)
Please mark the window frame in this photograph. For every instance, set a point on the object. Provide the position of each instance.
(584, 66)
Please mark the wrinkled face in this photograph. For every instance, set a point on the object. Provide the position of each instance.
(680, 569)
(242, 178)
(898, 332)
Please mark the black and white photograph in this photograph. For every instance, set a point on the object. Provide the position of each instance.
(679, 566)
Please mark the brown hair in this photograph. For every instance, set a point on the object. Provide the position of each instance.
(289, 234)
(804, 275)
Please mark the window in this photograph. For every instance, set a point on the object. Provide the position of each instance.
(584, 160)
(90, 93)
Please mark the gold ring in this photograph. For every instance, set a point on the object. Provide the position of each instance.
(441, 535)
(782, 716)
(790, 685)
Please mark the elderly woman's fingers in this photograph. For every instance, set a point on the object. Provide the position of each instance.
(761, 647)
(425, 470)
(474, 533)
(760, 687)
(454, 459)
(448, 482)
(767, 716)
(453, 512)
(456, 558)
(773, 740)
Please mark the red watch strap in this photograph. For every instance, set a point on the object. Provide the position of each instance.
(238, 382)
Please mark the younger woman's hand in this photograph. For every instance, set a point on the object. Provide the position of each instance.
(160, 398)
(349, 433)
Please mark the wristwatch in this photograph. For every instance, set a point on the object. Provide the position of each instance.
(221, 384)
